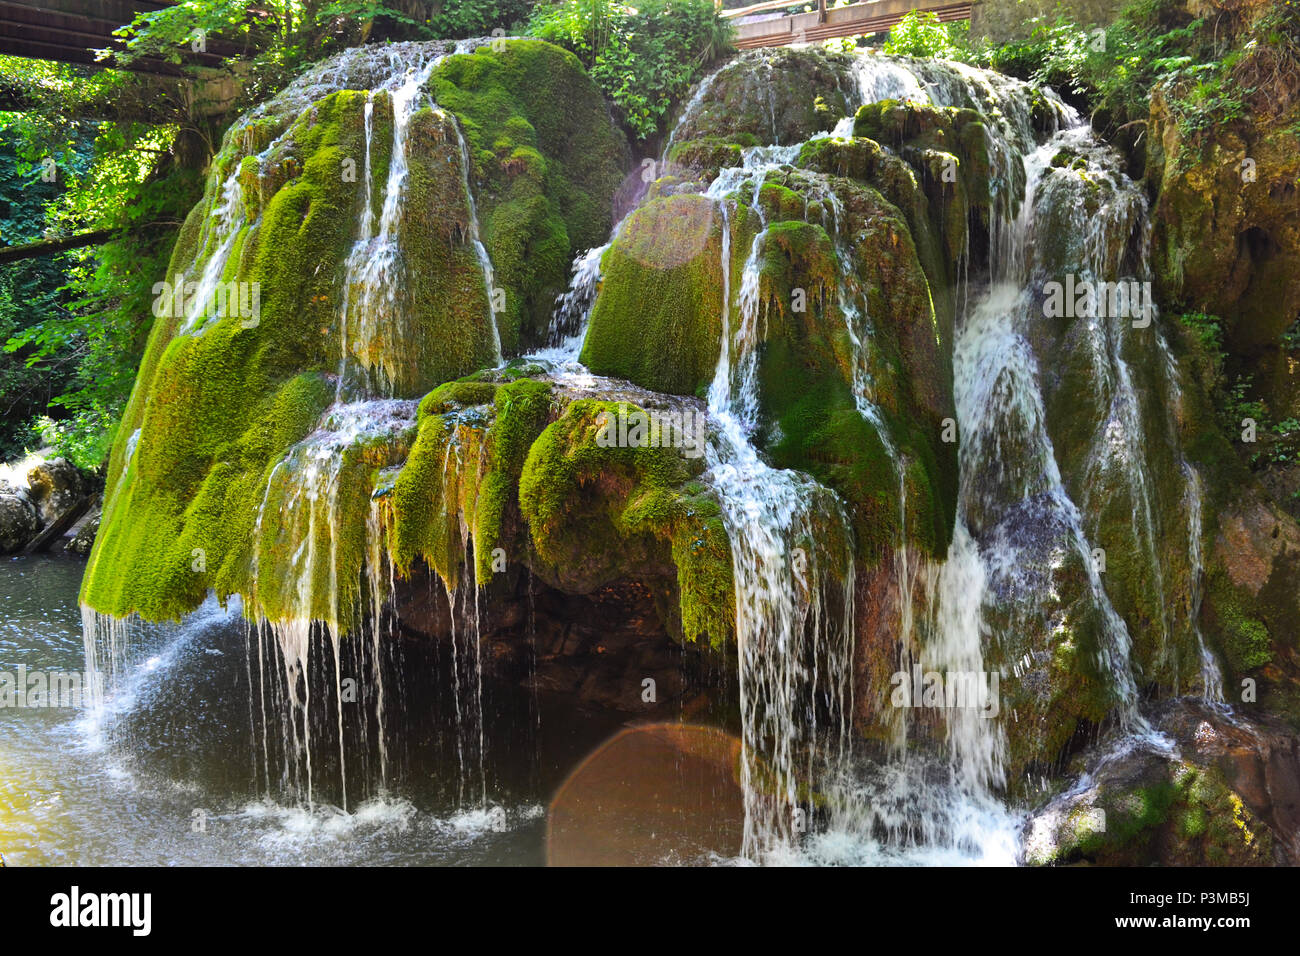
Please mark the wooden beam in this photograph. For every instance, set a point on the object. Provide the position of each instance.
(69, 31)
(57, 527)
(767, 6)
(854, 20)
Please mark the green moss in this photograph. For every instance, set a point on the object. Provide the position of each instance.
(809, 366)
(704, 157)
(219, 411)
(598, 512)
(657, 319)
(1175, 812)
(207, 405)
(1242, 636)
(547, 161)
(445, 329)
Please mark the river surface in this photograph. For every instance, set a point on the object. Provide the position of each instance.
(177, 781)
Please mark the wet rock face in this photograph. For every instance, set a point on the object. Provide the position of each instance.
(772, 97)
(1230, 223)
(1254, 600)
(1227, 212)
(19, 521)
(607, 649)
(84, 538)
(56, 487)
(1208, 789)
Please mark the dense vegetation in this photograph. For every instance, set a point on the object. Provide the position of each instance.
(90, 150)
(105, 150)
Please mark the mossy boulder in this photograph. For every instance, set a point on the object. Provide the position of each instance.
(598, 511)
(460, 482)
(938, 233)
(1221, 796)
(544, 478)
(657, 319)
(547, 161)
(855, 274)
(778, 96)
(950, 150)
(211, 413)
(705, 157)
(219, 405)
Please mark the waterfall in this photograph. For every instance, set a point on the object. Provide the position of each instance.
(223, 227)
(308, 500)
(374, 317)
(480, 251)
(937, 789)
(318, 472)
(786, 631)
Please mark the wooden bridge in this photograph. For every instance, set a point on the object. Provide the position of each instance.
(760, 25)
(70, 31)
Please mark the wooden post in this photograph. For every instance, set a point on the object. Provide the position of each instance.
(821, 11)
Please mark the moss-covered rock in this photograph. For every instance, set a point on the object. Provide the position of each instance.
(220, 406)
(547, 161)
(778, 96)
(460, 482)
(211, 413)
(657, 319)
(1214, 801)
(598, 511)
(518, 467)
(858, 277)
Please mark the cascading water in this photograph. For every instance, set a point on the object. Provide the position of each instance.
(791, 538)
(374, 317)
(302, 587)
(1008, 471)
(225, 223)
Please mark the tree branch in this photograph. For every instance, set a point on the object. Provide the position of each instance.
(96, 237)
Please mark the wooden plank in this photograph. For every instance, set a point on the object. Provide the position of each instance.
(55, 528)
(36, 50)
(26, 21)
(858, 19)
(767, 6)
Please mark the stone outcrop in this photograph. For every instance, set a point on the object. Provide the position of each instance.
(1208, 789)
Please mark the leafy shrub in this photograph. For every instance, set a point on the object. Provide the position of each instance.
(921, 34)
(643, 59)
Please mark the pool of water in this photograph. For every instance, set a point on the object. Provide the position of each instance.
(180, 775)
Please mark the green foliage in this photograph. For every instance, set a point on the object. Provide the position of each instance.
(476, 18)
(643, 59)
(274, 38)
(1156, 45)
(84, 338)
(29, 289)
(1277, 442)
(1208, 330)
(921, 34)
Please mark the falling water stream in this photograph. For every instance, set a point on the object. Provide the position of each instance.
(791, 538)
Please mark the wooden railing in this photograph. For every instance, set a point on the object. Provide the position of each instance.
(828, 23)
